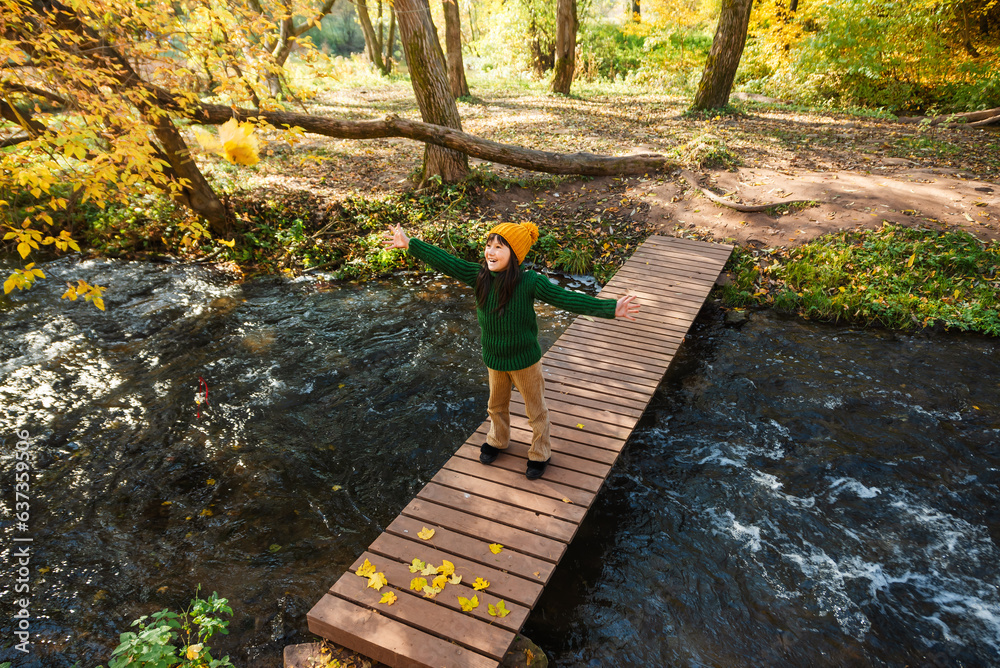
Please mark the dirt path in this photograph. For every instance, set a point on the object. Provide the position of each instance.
(932, 198)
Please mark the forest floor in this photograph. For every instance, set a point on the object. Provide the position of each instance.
(859, 171)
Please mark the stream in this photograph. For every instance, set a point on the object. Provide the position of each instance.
(796, 493)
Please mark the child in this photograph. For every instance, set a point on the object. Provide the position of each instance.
(505, 296)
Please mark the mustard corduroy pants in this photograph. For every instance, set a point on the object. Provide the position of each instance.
(531, 385)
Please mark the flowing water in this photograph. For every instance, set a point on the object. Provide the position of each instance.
(797, 494)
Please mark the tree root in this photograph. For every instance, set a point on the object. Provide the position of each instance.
(972, 119)
(744, 208)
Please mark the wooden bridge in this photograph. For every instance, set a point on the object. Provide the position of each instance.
(593, 406)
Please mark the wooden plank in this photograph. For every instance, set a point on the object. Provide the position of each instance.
(521, 496)
(601, 375)
(587, 381)
(386, 640)
(577, 417)
(514, 460)
(594, 360)
(558, 404)
(714, 248)
(671, 257)
(618, 347)
(602, 448)
(399, 576)
(503, 513)
(634, 339)
(434, 514)
(594, 399)
(507, 586)
(570, 456)
(477, 550)
(666, 281)
(546, 487)
(423, 614)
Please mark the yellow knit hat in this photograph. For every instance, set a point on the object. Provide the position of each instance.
(520, 236)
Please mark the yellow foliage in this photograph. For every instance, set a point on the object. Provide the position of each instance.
(468, 604)
(440, 581)
(417, 584)
(376, 581)
(446, 567)
(236, 143)
(495, 548)
(498, 610)
(90, 293)
(366, 570)
(417, 565)
(388, 598)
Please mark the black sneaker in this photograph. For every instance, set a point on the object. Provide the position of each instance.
(535, 469)
(488, 454)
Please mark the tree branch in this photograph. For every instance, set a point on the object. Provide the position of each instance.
(392, 126)
(31, 90)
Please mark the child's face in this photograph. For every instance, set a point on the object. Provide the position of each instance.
(497, 255)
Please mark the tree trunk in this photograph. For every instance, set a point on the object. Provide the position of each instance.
(724, 58)
(373, 48)
(566, 25)
(456, 140)
(967, 33)
(453, 40)
(430, 85)
(636, 14)
(196, 193)
(390, 48)
(793, 6)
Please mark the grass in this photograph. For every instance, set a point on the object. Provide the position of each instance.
(894, 276)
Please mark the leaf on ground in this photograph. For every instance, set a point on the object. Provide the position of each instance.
(431, 592)
(495, 548)
(425, 533)
(416, 584)
(499, 610)
(417, 565)
(565, 500)
(366, 570)
(388, 598)
(377, 581)
(480, 584)
(468, 604)
(429, 569)
(455, 579)
(440, 581)
(446, 568)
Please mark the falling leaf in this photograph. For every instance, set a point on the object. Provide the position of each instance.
(366, 570)
(429, 569)
(446, 568)
(480, 584)
(440, 581)
(500, 610)
(417, 565)
(377, 581)
(431, 592)
(468, 604)
(416, 584)
(495, 548)
(455, 579)
(425, 533)
(388, 598)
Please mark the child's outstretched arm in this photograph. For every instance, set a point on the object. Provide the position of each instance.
(439, 259)
(576, 302)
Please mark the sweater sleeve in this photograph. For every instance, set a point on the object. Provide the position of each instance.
(446, 263)
(573, 301)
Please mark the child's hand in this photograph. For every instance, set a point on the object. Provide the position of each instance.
(626, 308)
(396, 238)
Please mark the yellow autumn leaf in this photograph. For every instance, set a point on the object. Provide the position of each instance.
(227, 243)
(440, 581)
(417, 565)
(495, 548)
(480, 584)
(366, 570)
(455, 579)
(565, 500)
(431, 592)
(579, 426)
(377, 581)
(446, 568)
(388, 598)
(500, 610)
(193, 651)
(909, 263)
(957, 293)
(425, 533)
(529, 656)
(416, 584)
(468, 604)
(976, 407)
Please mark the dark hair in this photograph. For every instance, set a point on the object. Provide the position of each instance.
(507, 279)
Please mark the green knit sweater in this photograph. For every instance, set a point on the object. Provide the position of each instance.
(510, 341)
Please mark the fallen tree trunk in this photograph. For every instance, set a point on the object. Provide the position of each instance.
(587, 164)
(972, 119)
